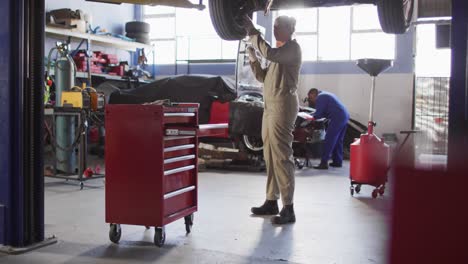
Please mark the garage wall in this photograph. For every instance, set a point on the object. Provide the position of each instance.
(393, 97)
(394, 89)
(107, 16)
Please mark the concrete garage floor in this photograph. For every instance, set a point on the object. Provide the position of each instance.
(332, 227)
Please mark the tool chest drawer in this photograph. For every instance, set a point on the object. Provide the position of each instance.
(181, 150)
(179, 178)
(179, 200)
(179, 162)
(181, 115)
(171, 141)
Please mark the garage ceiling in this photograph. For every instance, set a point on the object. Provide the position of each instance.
(434, 8)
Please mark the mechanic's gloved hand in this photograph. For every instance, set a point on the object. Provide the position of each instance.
(249, 26)
(252, 55)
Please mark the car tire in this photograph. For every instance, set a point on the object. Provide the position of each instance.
(138, 35)
(137, 27)
(143, 41)
(251, 144)
(227, 18)
(395, 15)
(140, 38)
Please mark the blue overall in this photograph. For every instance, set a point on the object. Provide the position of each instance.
(328, 106)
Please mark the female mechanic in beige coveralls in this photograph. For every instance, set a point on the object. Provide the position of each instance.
(281, 106)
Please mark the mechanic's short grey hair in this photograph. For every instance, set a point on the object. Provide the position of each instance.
(288, 22)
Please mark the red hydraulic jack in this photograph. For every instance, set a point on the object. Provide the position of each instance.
(370, 156)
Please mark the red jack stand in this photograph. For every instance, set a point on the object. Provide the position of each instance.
(370, 156)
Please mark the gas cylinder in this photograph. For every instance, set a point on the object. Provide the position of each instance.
(65, 125)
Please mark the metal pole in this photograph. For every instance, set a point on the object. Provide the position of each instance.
(371, 110)
(458, 93)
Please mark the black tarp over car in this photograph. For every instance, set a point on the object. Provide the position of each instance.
(202, 89)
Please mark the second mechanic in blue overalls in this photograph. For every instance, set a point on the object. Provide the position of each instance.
(328, 106)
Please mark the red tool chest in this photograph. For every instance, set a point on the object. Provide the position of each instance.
(151, 166)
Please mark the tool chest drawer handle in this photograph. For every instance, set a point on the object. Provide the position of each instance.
(181, 147)
(179, 114)
(182, 158)
(213, 126)
(167, 138)
(178, 192)
(181, 169)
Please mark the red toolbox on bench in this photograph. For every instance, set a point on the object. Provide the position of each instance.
(151, 166)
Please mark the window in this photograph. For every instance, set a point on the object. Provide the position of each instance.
(341, 33)
(162, 27)
(309, 46)
(174, 32)
(430, 61)
(162, 35)
(365, 17)
(334, 24)
(367, 39)
(306, 30)
(164, 52)
(372, 45)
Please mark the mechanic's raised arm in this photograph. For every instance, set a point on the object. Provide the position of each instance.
(288, 53)
(285, 54)
(258, 71)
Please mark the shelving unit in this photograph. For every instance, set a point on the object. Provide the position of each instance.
(84, 75)
(100, 40)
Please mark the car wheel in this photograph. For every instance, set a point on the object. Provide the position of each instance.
(227, 18)
(250, 97)
(395, 15)
(252, 144)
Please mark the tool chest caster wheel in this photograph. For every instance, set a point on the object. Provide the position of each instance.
(351, 189)
(374, 193)
(382, 191)
(188, 223)
(115, 233)
(358, 188)
(159, 236)
(81, 185)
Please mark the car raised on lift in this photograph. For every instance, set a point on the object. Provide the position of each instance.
(227, 15)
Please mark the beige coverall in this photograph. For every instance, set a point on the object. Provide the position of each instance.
(281, 106)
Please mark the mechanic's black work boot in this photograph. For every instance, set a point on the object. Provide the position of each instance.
(321, 166)
(336, 165)
(286, 216)
(270, 207)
